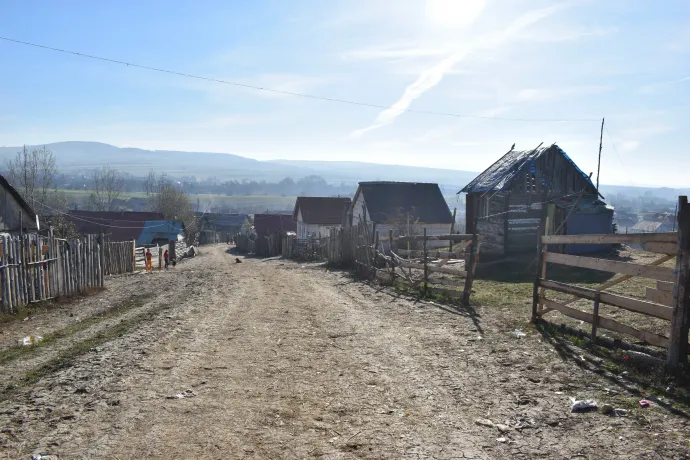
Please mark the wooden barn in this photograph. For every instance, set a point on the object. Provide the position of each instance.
(15, 213)
(505, 203)
(316, 215)
(406, 208)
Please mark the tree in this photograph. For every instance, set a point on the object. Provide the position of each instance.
(107, 185)
(32, 172)
(173, 203)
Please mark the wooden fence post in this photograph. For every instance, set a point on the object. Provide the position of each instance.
(469, 279)
(426, 266)
(452, 228)
(678, 343)
(134, 256)
(101, 255)
(540, 263)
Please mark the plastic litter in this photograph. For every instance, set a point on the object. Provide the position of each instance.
(183, 395)
(44, 457)
(645, 403)
(586, 405)
(519, 334)
(30, 340)
(484, 422)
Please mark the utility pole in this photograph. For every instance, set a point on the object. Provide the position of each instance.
(601, 139)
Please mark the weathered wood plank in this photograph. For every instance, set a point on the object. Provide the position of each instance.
(431, 268)
(607, 323)
(664, 286)
(413, 238)
(612, 238)
(612, 266)
(661, 248)
(662, 297)
(446, 282)
(432, 254)
(627, 303)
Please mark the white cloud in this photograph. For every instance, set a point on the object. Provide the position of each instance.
(433, 75)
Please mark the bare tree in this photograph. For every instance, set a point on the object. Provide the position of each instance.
(171, 201)
(107, 185)
(32, 172)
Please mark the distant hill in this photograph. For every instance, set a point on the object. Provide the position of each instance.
(77, 156)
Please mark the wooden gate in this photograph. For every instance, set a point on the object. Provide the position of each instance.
(667, 300)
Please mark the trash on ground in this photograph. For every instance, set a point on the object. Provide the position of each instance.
(44, 457)
(586, 405)
(484, 422)
(502, 440)
(519, 334)
(31, 340)
(183, 395)
(620, 413)
(645, 403)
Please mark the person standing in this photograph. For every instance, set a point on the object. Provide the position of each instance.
(165, 258)
(149, 261)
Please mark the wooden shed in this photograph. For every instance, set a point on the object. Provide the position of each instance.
(15, 213)
(505, 203)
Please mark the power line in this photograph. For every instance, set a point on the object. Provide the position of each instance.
(620, 160)
(288, 93)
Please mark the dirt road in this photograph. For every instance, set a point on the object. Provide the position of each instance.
(280, 360)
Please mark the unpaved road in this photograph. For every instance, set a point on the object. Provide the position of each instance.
(283, 360)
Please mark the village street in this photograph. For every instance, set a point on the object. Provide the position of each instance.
(273, 359)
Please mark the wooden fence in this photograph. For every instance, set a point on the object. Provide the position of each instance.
(668, 301)
(35, 268)
(119, 257)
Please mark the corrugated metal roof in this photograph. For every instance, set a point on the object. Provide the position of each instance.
(499, 175)
(389, 200)
(321, 210)
(124, 226)
(648, 226)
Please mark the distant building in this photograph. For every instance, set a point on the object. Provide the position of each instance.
(317, 215)
(651, 226)
(217, 227)
(266, 224)
(506, 203)
(145, 227)
(403, 207)
(15, 213)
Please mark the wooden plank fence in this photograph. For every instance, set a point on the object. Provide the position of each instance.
(119, 257)
(668, 301)
(34, 268)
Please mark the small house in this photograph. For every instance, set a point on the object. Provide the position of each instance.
(270, 230)
(651, 226)
(506, 203)
(15, 213)
(406, 208)
(217, 227)
(147, 228)
(318, 215)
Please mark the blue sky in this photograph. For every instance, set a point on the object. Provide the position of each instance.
(626, 60)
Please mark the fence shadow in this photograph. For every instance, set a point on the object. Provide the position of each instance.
(634, 373)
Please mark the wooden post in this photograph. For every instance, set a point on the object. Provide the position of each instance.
(540, 265)
(544, 249)
(160, 258)
(426, 267)
(469, 280)
(595, 317)
(134, 256)
(678, 342)
(101, 261)
(390, 245)
(452, 228)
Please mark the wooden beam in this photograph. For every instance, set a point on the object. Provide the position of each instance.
(663, 297)
(664, 286)
(431, 268)
(446, 282)
(612, 266)
(660, 248)
(612, 238)
(432, 254)
(413, 238)
(607, 323)
(627, 303)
